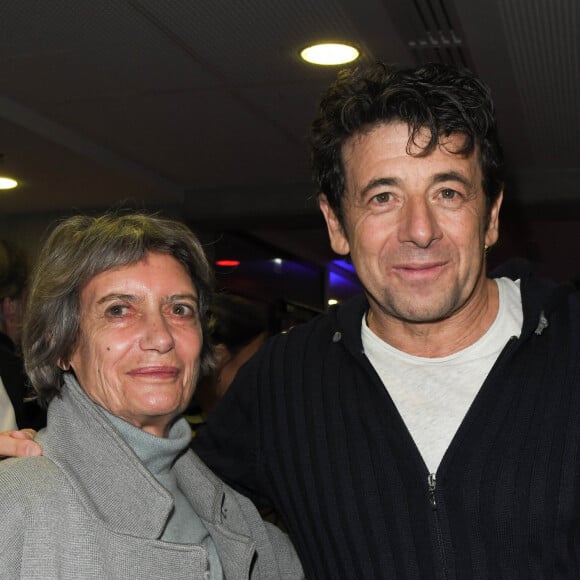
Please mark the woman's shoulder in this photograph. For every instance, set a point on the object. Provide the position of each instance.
(28, 480)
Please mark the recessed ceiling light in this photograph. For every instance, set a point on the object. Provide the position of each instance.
(8, 183)
(329, 54)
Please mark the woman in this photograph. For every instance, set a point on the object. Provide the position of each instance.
(113, 340)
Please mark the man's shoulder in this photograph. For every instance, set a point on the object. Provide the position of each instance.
(340, 318)
(546, 302)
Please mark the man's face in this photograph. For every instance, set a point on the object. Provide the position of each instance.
(415, 227)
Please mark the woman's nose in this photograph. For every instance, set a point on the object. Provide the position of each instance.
(157, 334)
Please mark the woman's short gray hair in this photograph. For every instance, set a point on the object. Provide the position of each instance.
(78, 249)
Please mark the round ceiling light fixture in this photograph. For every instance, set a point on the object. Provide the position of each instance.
(8, 183)
(328, 54)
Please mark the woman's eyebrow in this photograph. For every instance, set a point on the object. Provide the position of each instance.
(187, 296)
(133, 298)
(117, 296)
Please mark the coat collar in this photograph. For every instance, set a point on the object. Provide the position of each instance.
(116, 487)
(220, 514)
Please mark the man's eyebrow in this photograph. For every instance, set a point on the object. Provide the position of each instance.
(379, 182)
(450, 176)
(393, 181)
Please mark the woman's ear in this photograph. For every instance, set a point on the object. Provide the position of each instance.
(63, 366)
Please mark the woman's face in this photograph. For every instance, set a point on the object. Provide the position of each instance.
(139, 342)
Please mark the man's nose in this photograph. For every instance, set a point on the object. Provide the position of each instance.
(418, 223)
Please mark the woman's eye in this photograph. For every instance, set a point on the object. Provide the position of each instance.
(116, 310)
(183, 310)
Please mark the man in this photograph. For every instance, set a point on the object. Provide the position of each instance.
(428, 429)
(13, 278)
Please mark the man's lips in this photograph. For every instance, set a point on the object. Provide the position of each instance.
(161, 372)
(420, 269)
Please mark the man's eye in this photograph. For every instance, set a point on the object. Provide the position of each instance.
(449, 194)
(382, 197)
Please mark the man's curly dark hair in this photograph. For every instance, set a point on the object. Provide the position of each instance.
(441, 99)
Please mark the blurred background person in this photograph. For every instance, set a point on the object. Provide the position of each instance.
(114, 340)
(7, 417)
(237, 329)
(13, 281)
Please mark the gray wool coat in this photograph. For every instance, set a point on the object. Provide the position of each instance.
(89, 509)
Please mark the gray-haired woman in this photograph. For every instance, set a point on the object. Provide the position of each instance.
(114, 342)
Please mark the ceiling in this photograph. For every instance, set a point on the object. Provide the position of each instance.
(204, 107)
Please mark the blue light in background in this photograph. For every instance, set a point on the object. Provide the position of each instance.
(344, 264)
(342, 281)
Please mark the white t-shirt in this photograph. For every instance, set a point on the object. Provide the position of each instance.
(433, 395)
(7, 417)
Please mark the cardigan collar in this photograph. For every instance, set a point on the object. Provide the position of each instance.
(540, 298)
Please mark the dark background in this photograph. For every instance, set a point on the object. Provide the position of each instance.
(202, 109)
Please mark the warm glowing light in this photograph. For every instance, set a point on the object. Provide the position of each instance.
(329, 54)
(8, 183)
(332, 301)
(227, 263)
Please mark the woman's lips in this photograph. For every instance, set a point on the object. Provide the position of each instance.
(161, 372)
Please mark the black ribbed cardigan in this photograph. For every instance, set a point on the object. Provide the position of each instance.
(309, 426)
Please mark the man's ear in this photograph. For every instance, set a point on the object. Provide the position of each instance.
(338, 240)
(492, 232)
